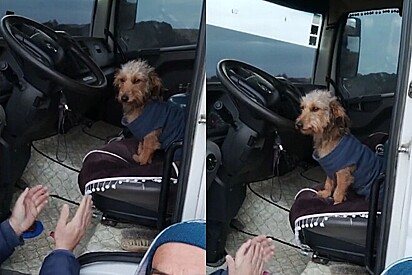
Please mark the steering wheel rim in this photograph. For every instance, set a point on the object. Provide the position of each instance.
(238, 92)
(55, 48)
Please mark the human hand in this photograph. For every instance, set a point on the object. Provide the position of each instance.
(267, 246)
(251, 257)
(27, 207)
(68, 235)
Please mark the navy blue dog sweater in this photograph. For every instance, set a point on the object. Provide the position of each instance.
(350, 151)
(167, 116)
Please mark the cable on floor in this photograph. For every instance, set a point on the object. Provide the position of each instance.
(52, 159)
(271, 237)
(274, 202)
(265, 199)
(62, 164)
(51, 195)
(64, 199)
(276, 166)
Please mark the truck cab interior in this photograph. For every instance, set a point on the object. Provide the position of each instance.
(353, 49)
(57, 66)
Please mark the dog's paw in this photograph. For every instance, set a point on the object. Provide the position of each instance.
(136, 158)
(140, 148)
(338, 198)
(324, 194)
(142, 159)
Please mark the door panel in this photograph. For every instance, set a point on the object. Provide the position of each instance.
(173, 65)
(370, 114)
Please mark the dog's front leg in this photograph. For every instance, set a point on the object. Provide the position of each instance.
(327, 191)
(147, 147)
(344, 179)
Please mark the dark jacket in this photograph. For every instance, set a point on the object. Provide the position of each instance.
(60, 261)
(165, 115)
(350, 151)
(8, 241)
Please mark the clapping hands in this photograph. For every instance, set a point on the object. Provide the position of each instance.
(27, 207)
(251, 257)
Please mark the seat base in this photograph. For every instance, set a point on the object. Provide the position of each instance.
(117, 210)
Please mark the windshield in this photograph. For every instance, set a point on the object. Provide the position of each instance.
(72, 16)
(153, 24)
(260, 34)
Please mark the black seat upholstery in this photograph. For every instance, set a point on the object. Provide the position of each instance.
(346, 231)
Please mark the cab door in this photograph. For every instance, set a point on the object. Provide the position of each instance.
(395, 239)
(367, 64)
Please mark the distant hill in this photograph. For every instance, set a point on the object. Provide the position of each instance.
(72, 29)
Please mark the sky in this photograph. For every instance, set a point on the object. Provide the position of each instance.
(60, 9)
(251, 16)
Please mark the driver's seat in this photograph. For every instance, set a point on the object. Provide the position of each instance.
(131, 193)
(127, 192)
(346, 231)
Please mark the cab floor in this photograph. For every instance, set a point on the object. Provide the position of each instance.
(63, 182)
(256, 215)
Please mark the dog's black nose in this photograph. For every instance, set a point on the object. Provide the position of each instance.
(125, 98)
(298, 125)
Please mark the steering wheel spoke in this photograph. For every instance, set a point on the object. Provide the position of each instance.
(47, 51)
(257, 90)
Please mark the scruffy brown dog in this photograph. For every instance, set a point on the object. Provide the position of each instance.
(346, 161)
(137, 84)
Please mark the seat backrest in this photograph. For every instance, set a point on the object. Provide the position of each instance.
(180, 100)
(376, 142)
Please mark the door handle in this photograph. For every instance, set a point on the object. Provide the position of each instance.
(202, 119)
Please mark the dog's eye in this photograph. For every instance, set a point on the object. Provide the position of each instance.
(136, 80)
(122, 80)
(315, 109)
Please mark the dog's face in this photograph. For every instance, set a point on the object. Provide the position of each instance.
(137, 82)
(321, 112)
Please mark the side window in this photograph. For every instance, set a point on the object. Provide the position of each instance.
(153, 24)
(369, 53)
(73, 16)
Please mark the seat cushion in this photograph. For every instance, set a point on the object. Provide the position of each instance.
(111, 173)
(307, 202)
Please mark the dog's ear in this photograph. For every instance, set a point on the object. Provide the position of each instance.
(339, 115)
(156, 86)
